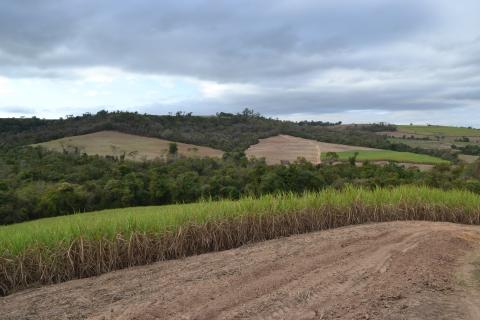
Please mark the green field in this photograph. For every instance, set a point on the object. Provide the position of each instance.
(62, 248)
(440, 131)
(388, 155)
(51, 232)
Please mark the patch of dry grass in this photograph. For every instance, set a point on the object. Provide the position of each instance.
(113, 143)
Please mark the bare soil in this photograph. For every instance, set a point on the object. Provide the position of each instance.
(289, 148)
(399, 270)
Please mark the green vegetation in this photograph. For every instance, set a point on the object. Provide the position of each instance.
(225, 131)
(172, 148)
(387, 155)
(426, 144)
(62, 248)
(36, 183)
(440, 131)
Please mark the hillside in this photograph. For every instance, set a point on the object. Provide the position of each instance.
(287, 149)
(224, 131)
(133, 147)
(461, 140)
(377, 271)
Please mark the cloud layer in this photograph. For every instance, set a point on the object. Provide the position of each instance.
(279, 57)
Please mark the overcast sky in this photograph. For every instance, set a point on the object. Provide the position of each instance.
(399, 61)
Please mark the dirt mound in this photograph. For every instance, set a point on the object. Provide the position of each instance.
(400, 270)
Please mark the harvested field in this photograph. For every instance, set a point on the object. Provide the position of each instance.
(468, 158)
(287, 148)
(113, 143)
(396, 270)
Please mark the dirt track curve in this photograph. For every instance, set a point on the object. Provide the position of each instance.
(400, 270)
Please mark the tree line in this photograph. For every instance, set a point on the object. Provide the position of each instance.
(36, 183)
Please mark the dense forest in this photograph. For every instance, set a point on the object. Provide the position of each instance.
(36, 183)
(224, 131)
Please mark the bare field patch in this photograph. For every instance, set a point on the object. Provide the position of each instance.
(467, 158)
(113, 143)
(288, 148)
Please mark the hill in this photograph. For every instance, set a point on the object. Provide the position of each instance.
(224, 131)
(461, 140)
(133, 147)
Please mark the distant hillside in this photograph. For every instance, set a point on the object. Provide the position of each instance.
(283, 148)
(227, 132)
(461, 140)
(133, 147)
(224, 131)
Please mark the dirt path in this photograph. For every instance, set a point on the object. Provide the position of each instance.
(401, 270)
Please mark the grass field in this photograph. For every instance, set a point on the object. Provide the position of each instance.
(62, 248)
(113, 143)
(388, 155)
(440, 131)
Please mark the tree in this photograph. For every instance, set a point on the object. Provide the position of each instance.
(172, 148)
(331, 157)
(353, 159)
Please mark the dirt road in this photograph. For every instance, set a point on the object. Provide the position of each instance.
(401, 270)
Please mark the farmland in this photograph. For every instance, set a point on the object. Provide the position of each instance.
(288, 148)
(387, 155)
(62, 248)
(454, 140)
(404, 265)
(439, 131)
(133, 147)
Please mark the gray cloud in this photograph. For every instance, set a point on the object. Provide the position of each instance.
(19, 110)
(415, 52)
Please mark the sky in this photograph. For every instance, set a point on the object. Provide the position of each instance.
(398, 61)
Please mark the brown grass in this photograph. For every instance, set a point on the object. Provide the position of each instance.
(289, 148)
(113, 143)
